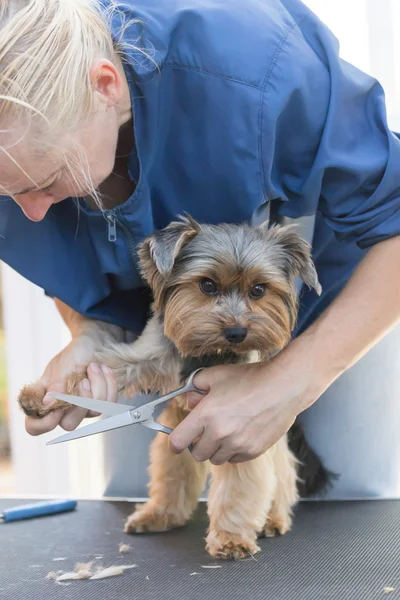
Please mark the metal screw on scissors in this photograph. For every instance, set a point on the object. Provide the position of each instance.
(122, 415)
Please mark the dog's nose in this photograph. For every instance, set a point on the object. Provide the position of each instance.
(235, 334)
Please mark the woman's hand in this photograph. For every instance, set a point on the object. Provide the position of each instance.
(100, 384)
(247, 407)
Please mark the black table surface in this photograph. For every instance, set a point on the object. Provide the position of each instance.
(338, 551)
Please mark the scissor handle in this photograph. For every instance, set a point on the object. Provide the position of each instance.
(150, 406)
(191, 387)
(152, 424)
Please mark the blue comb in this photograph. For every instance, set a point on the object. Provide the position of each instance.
(38, 509)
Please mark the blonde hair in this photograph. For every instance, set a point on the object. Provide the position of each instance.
(47, 48)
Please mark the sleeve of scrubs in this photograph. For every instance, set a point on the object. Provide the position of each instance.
(325, 143)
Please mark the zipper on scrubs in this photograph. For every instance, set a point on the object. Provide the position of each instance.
(112, 225)
(113, 219)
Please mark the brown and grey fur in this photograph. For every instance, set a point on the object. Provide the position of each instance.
(186, 331)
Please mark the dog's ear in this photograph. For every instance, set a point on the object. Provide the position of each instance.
(296, 255)
(159, 250)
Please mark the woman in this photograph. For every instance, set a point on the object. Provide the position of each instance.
(138, 112)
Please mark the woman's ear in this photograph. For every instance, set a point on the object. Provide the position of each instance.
(107, 82)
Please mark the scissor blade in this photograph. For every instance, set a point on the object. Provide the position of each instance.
(108, 424)
(107, 408)
(151, 405)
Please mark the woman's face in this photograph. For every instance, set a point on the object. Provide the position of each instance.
(36, 180)
(35, 183)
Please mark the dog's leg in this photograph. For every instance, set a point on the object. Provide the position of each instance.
(150, 363)
(175, 485)
(240, 499)
(280, 517)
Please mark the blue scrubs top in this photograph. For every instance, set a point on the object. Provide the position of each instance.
(249, 104)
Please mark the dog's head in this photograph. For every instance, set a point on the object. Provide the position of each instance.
(226, 287)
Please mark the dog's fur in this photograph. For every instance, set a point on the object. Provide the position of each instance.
(187, 331)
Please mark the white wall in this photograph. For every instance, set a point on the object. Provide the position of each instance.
(369, 34)
(368, 31)
(34, 334)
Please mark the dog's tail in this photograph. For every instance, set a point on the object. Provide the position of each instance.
(313, 477)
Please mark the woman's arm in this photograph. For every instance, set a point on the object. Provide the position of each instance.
(81, 325)
(249, 407)
(367, 308)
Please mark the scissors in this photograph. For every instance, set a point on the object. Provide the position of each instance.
(121, 415)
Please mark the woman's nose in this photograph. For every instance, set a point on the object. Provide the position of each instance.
(35, 205)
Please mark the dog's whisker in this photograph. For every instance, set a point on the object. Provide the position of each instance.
(256, 317)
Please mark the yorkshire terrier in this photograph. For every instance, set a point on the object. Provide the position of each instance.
(222, 294)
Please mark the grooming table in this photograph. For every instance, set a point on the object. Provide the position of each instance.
(336, 551)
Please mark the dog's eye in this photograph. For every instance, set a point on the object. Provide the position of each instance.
(258, 291)
(209, 287)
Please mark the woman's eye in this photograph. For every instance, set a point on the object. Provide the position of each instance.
(50, 186)
(209, 287)
(258, 291)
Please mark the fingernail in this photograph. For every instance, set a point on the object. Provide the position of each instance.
(86, 385)
(47, 400)
(94, 367)
(106, 370)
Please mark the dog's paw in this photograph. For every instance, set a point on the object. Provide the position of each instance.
(31, 396)
(228, 546)
(30, 400)
(148, 517)
(277, 525)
